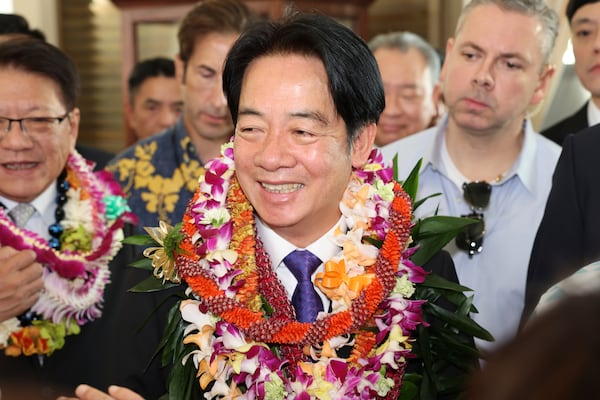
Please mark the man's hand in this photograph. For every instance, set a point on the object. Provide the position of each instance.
(85, 392)
(20, 281)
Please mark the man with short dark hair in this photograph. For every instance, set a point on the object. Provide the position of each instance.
(584, 21)
(159, 174)
(155, 102)
(15, 26)
(297, 200)
(60, 226)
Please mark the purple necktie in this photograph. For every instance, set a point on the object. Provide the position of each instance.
(306, 301)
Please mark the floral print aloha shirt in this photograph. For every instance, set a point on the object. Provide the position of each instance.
(158, 176)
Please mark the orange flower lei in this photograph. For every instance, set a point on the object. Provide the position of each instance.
(233, 281)
(245, 312)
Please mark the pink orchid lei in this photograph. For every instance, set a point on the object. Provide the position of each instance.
(233, 360)
(75, 276)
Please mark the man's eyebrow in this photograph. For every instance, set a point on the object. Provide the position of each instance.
(581, 21)
(502, 55)
(152, 101)
(473, 45)
(312, 115)
(249, 111)
(204, 67)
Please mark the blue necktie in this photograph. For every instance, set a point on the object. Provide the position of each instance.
(306, 301)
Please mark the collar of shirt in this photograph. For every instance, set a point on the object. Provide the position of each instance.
(437, 158)
(593, 113)
(277, 248)
(183, 145)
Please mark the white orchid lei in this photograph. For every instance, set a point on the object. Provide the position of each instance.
(240, 329)
(75, 276)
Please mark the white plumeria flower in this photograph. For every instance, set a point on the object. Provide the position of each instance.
(216, 217)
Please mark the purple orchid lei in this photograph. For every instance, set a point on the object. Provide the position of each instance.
(74, 277)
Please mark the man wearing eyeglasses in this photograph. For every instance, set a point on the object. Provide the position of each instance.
(484, 157)
(16, 26)
(50, 302)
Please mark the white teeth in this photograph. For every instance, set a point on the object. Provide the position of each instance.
(287, 188)
(16, 166)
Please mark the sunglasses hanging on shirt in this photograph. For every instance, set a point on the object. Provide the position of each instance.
(477, 195)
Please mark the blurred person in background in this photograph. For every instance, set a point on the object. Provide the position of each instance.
(155, 102)
(584, 21)
(409, 68)
(159, 174)
(555, 357)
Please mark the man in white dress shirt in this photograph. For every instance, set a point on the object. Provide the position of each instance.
(303, 124)
(496, 69)
(43, 231)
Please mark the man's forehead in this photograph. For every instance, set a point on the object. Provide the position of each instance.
(481, 31)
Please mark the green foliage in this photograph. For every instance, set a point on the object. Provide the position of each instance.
(182, 378)
(140, 240)
(445, 351)
(152, 284)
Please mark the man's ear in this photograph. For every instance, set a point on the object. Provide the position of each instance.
(74, 119)
(363, 144)
(129, 112)
(543, 84)
(179, 69)
(449, 45)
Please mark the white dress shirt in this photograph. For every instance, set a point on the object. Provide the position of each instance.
(593, 113)
(498, 274)
(277, 248)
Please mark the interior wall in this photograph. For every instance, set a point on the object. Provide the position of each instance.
(42, 15)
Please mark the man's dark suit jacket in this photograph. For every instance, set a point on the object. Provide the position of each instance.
(99, 156)
(572, 124)
(568, 237)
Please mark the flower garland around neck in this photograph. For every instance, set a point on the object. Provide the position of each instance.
(239, 321)
(76, 274)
